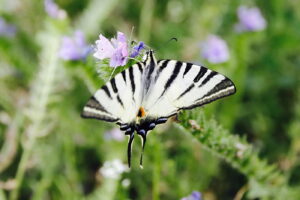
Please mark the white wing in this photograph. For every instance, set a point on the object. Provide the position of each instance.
(179, 85)
(119, 99)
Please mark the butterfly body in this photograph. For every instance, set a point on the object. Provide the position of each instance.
(149, 92)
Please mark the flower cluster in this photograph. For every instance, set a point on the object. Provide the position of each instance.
(113, 169)
(116, 50)
(250, 19)
(6, 29)
(74, 48)
(53, 10)
(214, 49)
(194, 196)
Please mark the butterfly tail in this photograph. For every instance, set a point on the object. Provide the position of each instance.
(129, 148)
(143, 135)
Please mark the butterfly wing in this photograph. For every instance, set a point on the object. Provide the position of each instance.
(179, 85)
(118, 100)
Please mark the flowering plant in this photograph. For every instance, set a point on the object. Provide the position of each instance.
(116, 50)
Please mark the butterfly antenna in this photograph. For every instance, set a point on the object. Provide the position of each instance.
(129, 148)
(167, 42)
(131, 35)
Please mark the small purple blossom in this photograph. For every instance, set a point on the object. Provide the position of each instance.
(136, 49)
(114, 134)
(6, 29)
(250, 19)
(194, 196)
(74, 48)
(215, 49)
(53, 10)
(116, 50)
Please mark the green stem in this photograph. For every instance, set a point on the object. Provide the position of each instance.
(146, 20)
(157, 169)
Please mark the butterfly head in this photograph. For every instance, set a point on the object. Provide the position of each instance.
(149, 55)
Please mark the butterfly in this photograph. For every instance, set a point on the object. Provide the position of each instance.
(149, 92)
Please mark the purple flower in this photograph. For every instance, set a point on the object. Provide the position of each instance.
(6, 29)
(116, 50)
(136, 49)
(53, 10)
(250, 19)
(194, 196)
(114, 134)
(215, 49)
(74, 48)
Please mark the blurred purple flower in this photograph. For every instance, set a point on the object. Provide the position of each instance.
(6, 29)
(250, 19)
(215, 49)
(136, 49)
(74, 48)
(114, 134)
(194, 196)
(53, 10)
(116, 50)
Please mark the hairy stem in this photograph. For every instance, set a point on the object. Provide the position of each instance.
(238, 153)
(41, 90)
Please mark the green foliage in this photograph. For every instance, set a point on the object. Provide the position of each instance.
(242, 147)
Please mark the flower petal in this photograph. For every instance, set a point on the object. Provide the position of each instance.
(117, 59)
(215, 49)
(104, 48)
(250, 19)
(74, 48)
(137, 48)
(121, 37)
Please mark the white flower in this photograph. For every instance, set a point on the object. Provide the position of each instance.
(113, 169)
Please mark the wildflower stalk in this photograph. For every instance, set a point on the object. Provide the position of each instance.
(42, 89)
(238, 153)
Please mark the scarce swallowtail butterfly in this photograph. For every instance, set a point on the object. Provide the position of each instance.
(149, 92)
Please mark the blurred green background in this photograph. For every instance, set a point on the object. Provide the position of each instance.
(49, 152)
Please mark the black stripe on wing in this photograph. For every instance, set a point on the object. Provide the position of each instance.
(140, 67)
(99, 111)
(222, 89)
(187, 68)
(161, 67)
(94, 103)
(225, 88)
(131, 78)
(115, 89)
(186, 91)
(208, 77)
(200, 74)
(113, 85)
(172, 77)
(106, 90)
(124, 75)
